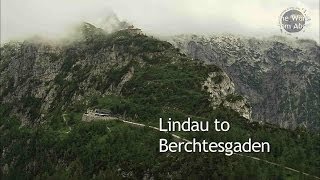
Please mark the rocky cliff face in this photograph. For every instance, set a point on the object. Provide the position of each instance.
(222, 92)
(279, 76)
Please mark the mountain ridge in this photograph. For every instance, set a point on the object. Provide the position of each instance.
(279, 76)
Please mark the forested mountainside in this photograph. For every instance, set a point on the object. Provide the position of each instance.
(47, 87)
(279, 76)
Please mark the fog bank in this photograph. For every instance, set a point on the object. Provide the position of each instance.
(52, 18)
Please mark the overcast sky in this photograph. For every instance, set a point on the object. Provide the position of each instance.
(23, 18)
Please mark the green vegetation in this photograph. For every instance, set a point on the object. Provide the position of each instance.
(100, 149)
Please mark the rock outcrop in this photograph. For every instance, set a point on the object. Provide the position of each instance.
(222, 92)
(279, 76)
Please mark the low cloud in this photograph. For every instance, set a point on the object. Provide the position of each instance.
(51, 18)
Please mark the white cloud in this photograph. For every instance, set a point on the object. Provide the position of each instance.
(21, 18)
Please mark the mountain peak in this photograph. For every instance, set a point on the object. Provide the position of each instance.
(112, 23)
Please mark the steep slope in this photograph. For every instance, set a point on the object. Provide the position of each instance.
(280, 77)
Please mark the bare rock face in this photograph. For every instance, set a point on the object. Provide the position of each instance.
(222, 92)
(279, 76)
(125, 78)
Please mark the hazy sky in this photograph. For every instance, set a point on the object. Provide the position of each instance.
(23, 18)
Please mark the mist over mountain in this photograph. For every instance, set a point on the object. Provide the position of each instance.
(52, 19)
(278, 75)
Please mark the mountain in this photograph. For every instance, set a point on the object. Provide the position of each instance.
(46, 87)
(279, 76)
(44, 75)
